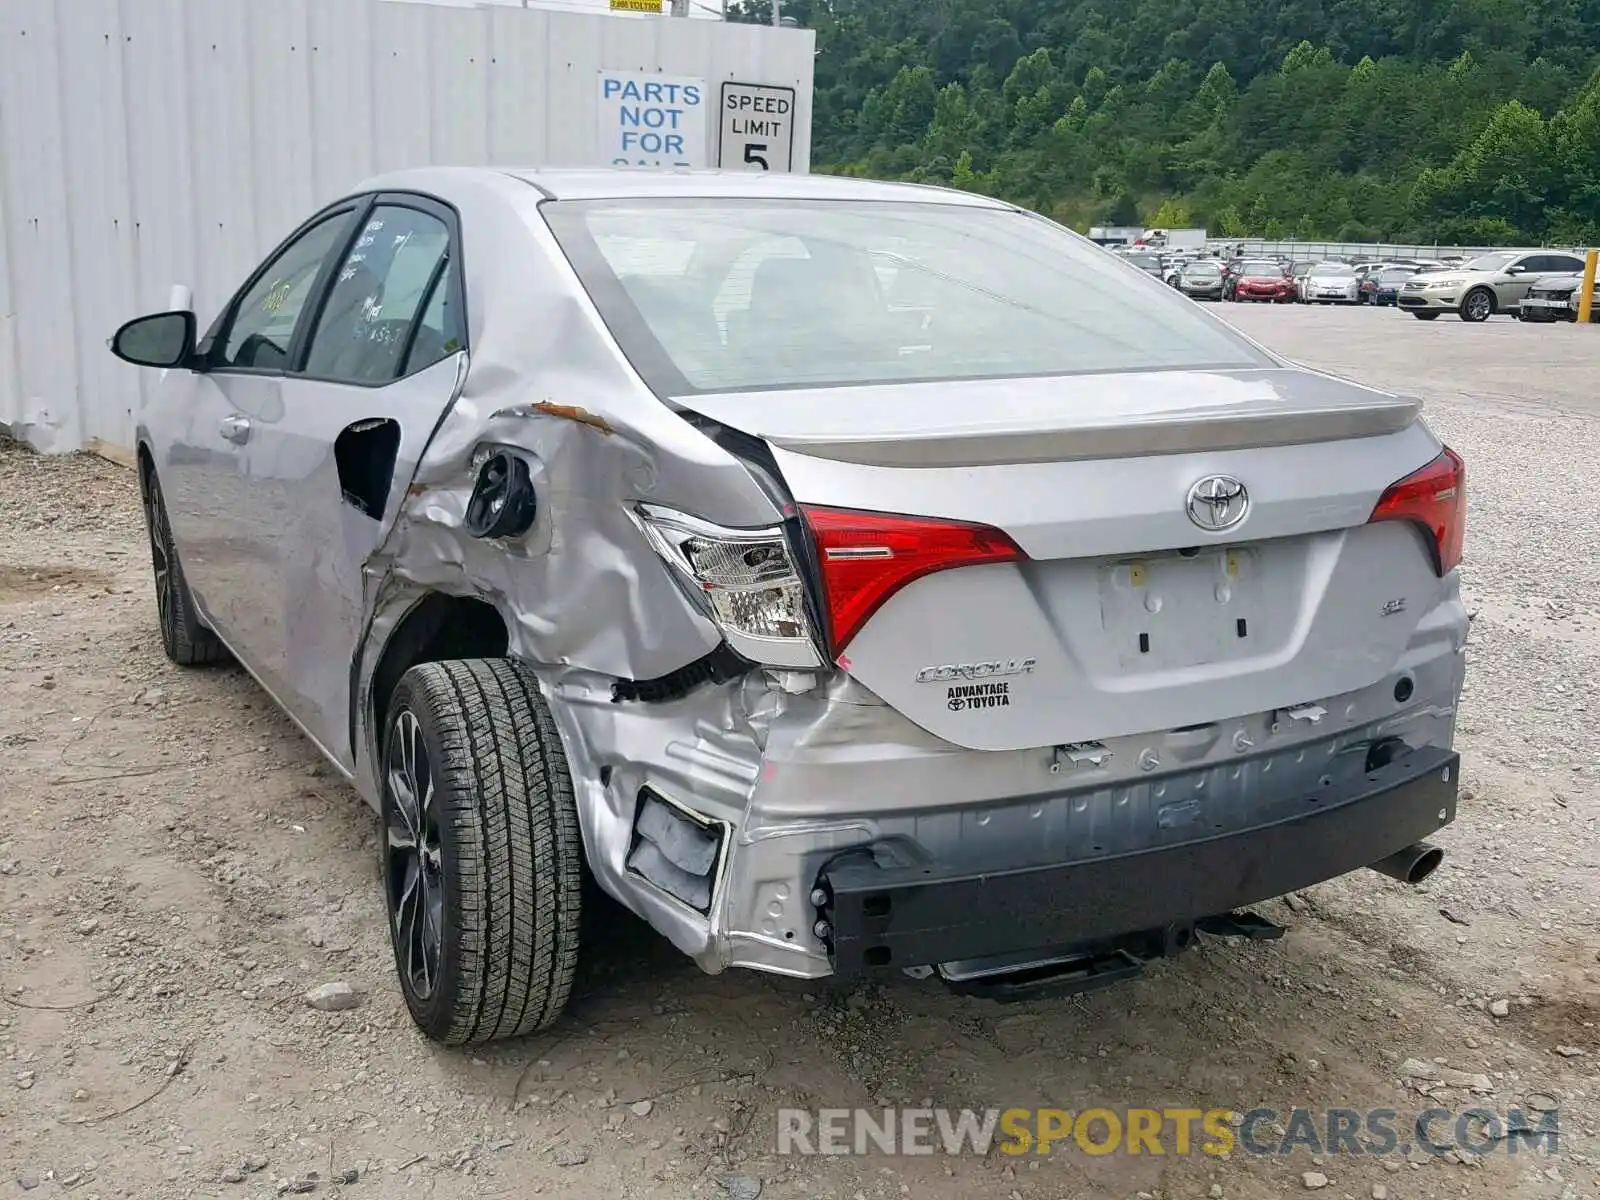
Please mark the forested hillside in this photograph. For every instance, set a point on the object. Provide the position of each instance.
(1468, 121)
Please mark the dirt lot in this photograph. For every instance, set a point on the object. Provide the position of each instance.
(177, 867)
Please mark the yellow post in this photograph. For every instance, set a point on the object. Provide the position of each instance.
(1586, 289)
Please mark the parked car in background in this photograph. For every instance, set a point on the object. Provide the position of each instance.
(1203, 279)
(1486, 285)
(1382, 287)
(1555, 298)
(1147, 261)
(617, 575)
(1332, 283)
(1297, 275)
(1261, 279)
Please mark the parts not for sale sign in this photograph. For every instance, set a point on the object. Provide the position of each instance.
(756, 127)
(649, 120)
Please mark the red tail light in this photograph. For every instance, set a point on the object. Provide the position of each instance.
(866, 557)
(1434, 498)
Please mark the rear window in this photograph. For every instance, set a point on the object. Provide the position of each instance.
(1144, 262)
(742, 295)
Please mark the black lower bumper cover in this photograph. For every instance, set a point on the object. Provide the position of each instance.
(913, 916)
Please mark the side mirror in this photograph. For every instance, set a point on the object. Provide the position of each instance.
(159, 340)
(1515, 269)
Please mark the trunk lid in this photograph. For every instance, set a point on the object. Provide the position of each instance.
(1127, 615)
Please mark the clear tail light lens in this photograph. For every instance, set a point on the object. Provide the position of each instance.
(744, 579)
(866, 557)
(1434, 499)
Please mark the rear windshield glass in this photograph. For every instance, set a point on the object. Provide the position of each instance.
(738, 295)
(1143, 261)
(1396, 274)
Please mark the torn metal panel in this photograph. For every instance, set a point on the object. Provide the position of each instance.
(579, 590)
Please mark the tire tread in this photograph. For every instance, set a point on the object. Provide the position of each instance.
(184, 636)
(508, 801)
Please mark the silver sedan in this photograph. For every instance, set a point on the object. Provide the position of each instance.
(846, 577)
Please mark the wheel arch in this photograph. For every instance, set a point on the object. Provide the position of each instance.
(437, 627)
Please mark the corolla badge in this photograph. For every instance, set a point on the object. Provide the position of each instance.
(980, 670)
(1217, 502)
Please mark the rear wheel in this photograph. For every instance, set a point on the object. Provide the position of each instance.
(1425, 316)
(184, 636)
(1477, 305)
(482, 856)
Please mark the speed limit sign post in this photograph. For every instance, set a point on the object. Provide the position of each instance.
(757, 127)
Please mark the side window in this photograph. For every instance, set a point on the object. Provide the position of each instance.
(263, 323)
(1563, 263)
(381, 286)
(439, 331)
(1547, 264)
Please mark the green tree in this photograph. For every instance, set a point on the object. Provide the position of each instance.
(1472, 119)
(1171, 213)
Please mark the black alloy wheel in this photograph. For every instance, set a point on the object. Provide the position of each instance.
(413, 860)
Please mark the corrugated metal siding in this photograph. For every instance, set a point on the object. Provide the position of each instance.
(150, 142)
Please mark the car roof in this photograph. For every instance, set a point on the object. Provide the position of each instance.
(618, 183)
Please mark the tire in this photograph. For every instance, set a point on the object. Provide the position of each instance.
(184, 635)
(1426, 316)
(1477, 305)
(483, 876)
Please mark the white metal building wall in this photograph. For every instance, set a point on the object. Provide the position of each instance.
(145, 143)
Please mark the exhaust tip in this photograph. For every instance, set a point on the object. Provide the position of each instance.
(1425, 864)
(1411, 865)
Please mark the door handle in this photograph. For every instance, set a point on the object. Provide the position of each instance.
(236, 429)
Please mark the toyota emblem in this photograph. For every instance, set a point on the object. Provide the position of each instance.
(1217, 502)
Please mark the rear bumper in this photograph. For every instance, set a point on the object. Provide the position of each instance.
(911, 916)
(837, 772)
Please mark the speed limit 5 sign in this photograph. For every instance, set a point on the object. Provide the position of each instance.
(757, 127)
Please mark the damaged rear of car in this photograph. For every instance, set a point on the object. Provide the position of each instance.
(856, 577)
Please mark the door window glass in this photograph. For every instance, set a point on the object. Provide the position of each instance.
(439, 331)
(381, 286)
(1561, 264)
(264, 321)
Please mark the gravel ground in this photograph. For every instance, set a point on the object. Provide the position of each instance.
(177, 868)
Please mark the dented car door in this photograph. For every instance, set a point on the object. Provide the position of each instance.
(380, 367)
